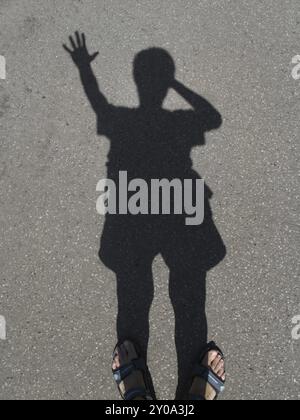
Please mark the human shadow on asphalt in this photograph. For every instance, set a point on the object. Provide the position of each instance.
(150, 142)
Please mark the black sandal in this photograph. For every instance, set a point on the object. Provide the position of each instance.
(207, 374)
(124, 371)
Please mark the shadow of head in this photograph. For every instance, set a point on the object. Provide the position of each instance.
(154, 72)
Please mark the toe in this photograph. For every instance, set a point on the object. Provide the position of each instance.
(212, 356)
(220, 367)
(220, 370)
(220, 373)
(215, 362)
(116, 361)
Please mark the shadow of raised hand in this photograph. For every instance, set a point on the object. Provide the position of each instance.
(79, 53)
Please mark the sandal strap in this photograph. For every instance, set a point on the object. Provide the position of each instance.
(137, 392)
(211, 347)
(193, 397)
(210, 377)
(124, 371)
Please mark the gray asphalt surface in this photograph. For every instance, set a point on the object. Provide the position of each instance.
(58, 300)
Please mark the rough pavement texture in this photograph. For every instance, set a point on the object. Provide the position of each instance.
(59, 301)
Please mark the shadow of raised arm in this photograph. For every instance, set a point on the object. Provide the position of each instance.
(83, 60)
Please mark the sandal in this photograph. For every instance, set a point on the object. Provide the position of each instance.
(214, 384)
(126, 370)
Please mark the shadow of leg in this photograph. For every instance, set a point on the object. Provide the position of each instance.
(188, 295)
(135, 296)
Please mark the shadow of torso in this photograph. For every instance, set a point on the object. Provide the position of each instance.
(151, 145)
(156, 145)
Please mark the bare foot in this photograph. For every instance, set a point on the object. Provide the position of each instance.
(124, 355)
(216, 363)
